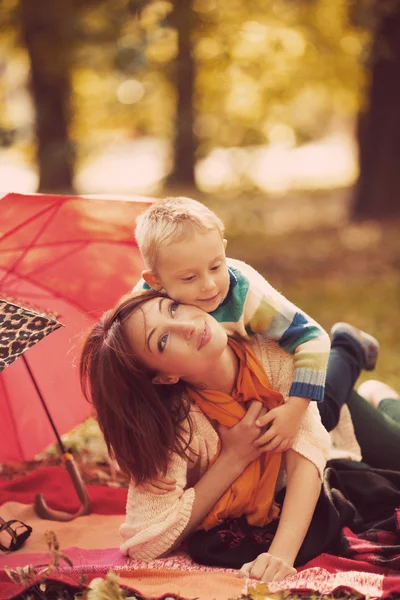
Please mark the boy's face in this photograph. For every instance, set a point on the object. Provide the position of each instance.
(194, 271)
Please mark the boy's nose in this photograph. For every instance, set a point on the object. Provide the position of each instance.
(207, 285)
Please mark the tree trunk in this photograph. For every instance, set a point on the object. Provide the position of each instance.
(378, 189)
(185, 144)
(47, 27)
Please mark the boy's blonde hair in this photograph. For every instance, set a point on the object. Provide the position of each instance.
(172, 220)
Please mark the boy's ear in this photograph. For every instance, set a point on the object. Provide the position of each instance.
(152, 280)
(165, 379)
(225, 242)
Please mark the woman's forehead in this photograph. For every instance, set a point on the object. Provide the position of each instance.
(136, 325)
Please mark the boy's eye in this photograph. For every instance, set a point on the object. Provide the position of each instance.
(162, 342)
(190, 278)
(215, 268)
(173, 307)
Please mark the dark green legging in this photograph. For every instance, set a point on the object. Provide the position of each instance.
(377, 431)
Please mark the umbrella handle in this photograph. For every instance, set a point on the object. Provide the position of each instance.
(44, 512)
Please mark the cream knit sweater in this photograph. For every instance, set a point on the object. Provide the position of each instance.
(154, 522)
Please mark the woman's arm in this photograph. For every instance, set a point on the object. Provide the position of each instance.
(238, 450)
(156, 523)
(303, 487)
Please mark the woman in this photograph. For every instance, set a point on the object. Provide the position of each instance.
(143, 366)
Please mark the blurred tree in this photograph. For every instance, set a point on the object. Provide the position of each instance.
(204, 74)
(184, 152)
(7, 20)
(47, 28)
(199, 74)
(378, 188)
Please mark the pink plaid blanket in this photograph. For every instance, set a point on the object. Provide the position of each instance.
(91, 543)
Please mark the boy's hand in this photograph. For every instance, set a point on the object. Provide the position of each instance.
(159, 485)
(283, 423)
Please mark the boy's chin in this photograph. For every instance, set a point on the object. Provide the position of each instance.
(208, 305)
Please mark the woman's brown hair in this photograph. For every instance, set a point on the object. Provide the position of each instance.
(142, 423)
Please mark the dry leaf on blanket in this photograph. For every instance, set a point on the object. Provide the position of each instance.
(261, 592)
(54, 549)
(105, 589)
(24, 575)
(37, 578)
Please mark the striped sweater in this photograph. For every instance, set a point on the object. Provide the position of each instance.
(252, 306)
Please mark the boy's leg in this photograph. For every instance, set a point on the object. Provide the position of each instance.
(351, 351)
(377, 433)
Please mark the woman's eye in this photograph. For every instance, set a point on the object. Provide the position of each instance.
(190, 278)
(173, 307)
(162, 342)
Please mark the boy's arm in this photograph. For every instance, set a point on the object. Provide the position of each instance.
(270, 314)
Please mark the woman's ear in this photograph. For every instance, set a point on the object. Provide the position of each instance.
(152, 280)
(165, 379)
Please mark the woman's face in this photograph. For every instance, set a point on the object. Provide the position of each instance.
(176, 340)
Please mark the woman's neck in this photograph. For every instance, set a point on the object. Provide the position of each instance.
(224, 374)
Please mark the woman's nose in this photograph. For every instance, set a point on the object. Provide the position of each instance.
(186, 329)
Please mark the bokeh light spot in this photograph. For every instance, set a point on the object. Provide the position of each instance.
(130, 91)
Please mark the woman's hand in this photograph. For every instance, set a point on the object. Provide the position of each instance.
(239, 441)
(267, 567)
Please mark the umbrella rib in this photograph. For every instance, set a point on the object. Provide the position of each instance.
(58, 259)
(36, 237)
(11, 415)
(66, 242)
(33, 218)
(52, 292)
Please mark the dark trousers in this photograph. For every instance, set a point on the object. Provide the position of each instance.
(343, 502)
(377, 429)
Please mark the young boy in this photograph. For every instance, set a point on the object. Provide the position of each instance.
(182, 243)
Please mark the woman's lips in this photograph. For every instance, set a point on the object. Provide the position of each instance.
(204, 337)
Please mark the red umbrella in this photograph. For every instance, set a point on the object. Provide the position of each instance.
(73, 256)
(20, 329)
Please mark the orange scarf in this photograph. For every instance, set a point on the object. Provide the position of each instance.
(252, 493)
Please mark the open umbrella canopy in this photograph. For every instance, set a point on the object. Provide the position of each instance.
(74, 257)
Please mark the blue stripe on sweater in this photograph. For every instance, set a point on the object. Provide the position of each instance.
(307, 390)
(299, 331)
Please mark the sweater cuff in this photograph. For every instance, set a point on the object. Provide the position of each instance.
(307, 390)
(308, 383)
(159, 539)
